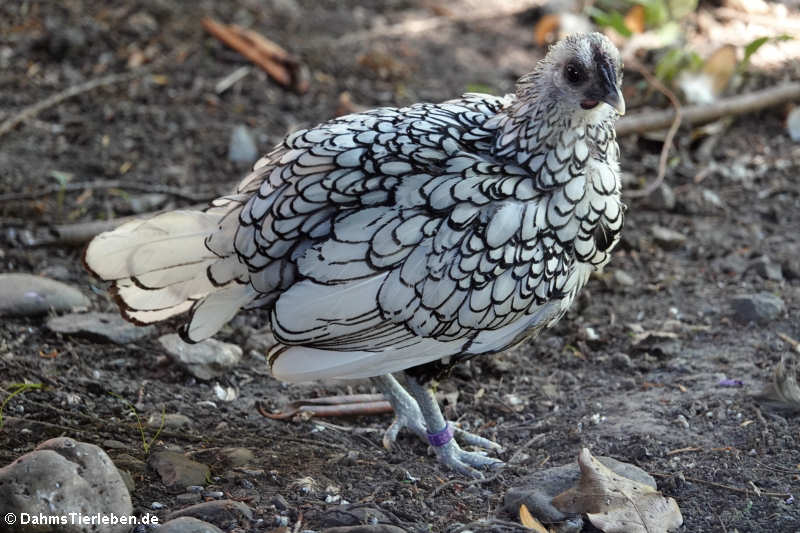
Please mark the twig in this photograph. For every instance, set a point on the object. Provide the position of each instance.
(421, 25)
(108, 184)
(735, 105)
(355, 404)
(33, 110)
(673, 129)
(726, 487)
(82, 232)
(274, 60)
(793, 343)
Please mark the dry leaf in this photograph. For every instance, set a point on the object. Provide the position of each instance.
(617, 504)
(634, 20)
(784, 386)
(527, 520)
(546, 30)
(720, 68)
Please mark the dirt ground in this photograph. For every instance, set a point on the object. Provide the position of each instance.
(597, 380)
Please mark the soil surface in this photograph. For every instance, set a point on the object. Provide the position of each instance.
(649, 366)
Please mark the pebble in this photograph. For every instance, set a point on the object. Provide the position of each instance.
(177, 470)
(760, 307)
(157, 506)
(242, 147)
(109, 327)
(621, 361)
(663, 198)
(188, 524)
(711, 198)
(623, 278)
(60, 476)
(204, 360)
(279, 502)
(666, 238)
(129, 462)
(352, 515)
(145, 203)
(538, 489)
(222, 513)
(232, 457)
(793, 124)
(766, 268)
(29, 295)
(169, 420)
(188, 497)
(215, 494)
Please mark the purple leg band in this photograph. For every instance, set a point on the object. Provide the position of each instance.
(442, 437)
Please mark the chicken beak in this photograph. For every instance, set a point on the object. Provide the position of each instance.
(616, 100)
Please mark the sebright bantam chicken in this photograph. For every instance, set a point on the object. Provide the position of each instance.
(400, 239)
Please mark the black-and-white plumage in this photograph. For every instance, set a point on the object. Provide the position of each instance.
(392, 238)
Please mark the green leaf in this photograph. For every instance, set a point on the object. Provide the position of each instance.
(614, 19)
(61, 177)
(753, 47)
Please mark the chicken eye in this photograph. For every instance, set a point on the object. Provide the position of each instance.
(574, 73)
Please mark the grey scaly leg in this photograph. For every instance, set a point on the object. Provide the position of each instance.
(419, 411)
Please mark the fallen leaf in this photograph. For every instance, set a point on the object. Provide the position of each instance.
(546, 30)
(634, 20)
(719, 67)
(527, 520)
(616, 504)
(784, 387)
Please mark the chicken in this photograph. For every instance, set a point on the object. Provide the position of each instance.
(400, 239)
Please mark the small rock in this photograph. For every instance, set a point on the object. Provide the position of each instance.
(623, 278)
(29, 295)
(144, 203)
(129, 462)
(57, 272)
(188, 524)
(61, 476)
(280, 502)
(157, 506)
(666, 238)
(765, 268)
(204, 360)
(188, 497)
(730, 264)
(110, 327)
(127, 478)
(111, 444)
(353, 515)
(232, 457)
(621, 361)
(242, 147)
(538, 489)
(177, 470)
(169, 420)
(711, 198)
(793, 124)
(215, 494)
(662, 198)
(222, 513)
(761, 307)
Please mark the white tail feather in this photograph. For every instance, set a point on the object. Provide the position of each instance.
(160, 268)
